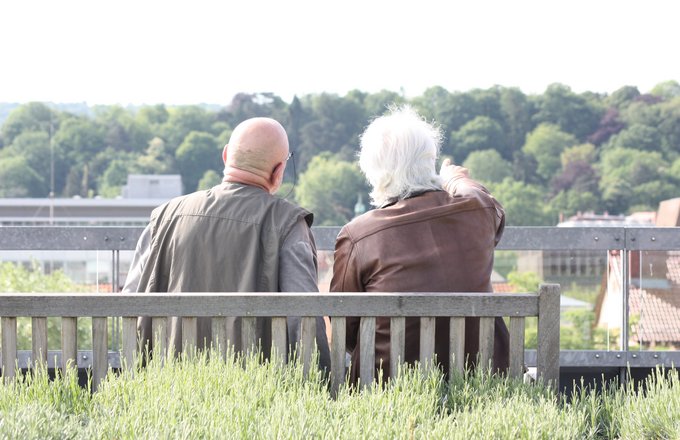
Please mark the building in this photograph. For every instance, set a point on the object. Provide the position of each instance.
(140, 196)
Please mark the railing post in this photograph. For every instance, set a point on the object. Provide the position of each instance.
(39, 340)
(548, 352)
(69, 342)
(397, 343)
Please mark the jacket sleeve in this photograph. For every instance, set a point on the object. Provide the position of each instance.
(463, 186)
(347, 278)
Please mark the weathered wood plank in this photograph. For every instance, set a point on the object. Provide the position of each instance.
(39, 340)
(338, 350)
(248, 334)
(219, 335)
(456, 344)
(548, 350)
(516, 347)
(268, 304)
(427, 327)
(159, 330)
(486, 339)
(367, 352)
(129, 346)
(307, 337)
(279, 339)
(397, 343)
(9, 347)
(189, 335)
(69, 342)
(100, 350)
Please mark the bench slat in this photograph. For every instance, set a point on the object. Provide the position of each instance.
(69, 342)
(100, 350)
(367, 353)
(456, 344)
(307, 337)
(397, 343)
(516, 347)
(9, 347)
(129, 348)
(279, 339)
(39, 340)
(427, 328)
(338, 347)
(486, 340)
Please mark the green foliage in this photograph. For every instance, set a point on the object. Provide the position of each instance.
(524, 281)
(546, 144)
(521, 202)
(481, 133)
(210, 178)
(198, 153)
(488, 166)
(329, 188)
(541, 135)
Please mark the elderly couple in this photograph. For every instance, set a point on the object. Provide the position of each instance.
(429, 233)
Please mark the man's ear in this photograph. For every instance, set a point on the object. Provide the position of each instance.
(277, 176)
(224, 154)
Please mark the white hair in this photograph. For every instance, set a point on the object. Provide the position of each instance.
(398, 155)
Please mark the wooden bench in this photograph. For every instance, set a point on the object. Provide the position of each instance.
(545, 305)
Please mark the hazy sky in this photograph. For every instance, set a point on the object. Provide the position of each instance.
(139, 51)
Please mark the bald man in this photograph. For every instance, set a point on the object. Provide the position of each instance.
(235, 237)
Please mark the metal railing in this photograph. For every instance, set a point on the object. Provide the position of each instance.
(622, 239)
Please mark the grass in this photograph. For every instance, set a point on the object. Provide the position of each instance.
(243, 398)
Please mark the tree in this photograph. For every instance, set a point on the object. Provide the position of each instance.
(634, 177)
(34, 116)
(329, 188)
(481, 133)
(210, 178)
(517, 112)
(182, 121)
(572, 113)
(666, 90)
(34, 147)
(523, 203)
(545, 144)
(636, 136)
(198, 153)
(18, 179)
(488, 166)
(121, 130)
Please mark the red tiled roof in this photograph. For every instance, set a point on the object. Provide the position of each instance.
(656, 312)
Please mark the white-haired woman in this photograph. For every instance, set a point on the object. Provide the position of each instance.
(430, 233)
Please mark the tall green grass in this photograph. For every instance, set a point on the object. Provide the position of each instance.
(244, 398)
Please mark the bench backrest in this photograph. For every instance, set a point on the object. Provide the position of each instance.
(456, 306)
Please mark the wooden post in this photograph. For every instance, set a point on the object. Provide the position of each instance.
(367, 353)
(279, 339)
(427, 327)
(39, 341)
(189, 336)
(69, 342)
(486, 339)
(9, 347)
(338, 350)
(548, 351)
(100, 351)
(159, 332)
(248, 334)
(307, 336)
(516, 347)
(219, 335)
(129, 346)
(456, 344)
(397, 343)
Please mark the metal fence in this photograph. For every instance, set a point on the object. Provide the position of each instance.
(622, 239)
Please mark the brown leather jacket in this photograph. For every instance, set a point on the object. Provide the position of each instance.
(438, 241)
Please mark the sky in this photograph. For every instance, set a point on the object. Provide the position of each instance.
(198, 51)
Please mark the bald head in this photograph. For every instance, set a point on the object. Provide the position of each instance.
(257, 151)
(257, 145)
